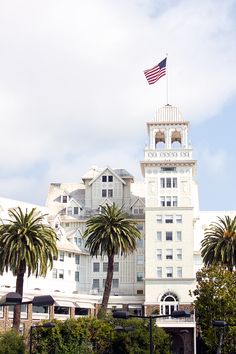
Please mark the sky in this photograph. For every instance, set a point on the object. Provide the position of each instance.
(73, 93)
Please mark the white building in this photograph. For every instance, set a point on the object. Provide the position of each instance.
(159, 275)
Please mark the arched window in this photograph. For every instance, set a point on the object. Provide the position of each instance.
(169, 303)
(176, 140)
(160, 140)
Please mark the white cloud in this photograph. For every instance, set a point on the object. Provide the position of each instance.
(72, 90)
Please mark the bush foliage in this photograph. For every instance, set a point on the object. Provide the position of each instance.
(12, 343)
(93, 336)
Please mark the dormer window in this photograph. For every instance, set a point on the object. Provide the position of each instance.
(107, 178)
(138, 210)
(64, 198)
(72, 210)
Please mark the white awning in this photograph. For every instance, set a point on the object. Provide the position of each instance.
(64, 303)
(117, 306)
(84, 305)
(27, 299)
(135, 306)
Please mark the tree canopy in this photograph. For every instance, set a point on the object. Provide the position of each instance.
(219, 243)
(216, 300)
(109, 233)
(27, 245)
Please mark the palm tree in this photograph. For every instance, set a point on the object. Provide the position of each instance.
(219, 243)
(26, 246)
(110, 233)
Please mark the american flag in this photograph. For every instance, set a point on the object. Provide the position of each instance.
(154, 74)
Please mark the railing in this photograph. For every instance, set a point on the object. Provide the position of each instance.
(174, 320)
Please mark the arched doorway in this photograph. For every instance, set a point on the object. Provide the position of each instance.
(169, 303)
(177, 345)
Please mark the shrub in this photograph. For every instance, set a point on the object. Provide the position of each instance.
(12, 343)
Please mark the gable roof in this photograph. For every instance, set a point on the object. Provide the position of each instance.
(136, 200)
(111, 171)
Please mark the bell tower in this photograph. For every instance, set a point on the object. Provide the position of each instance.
(171, 200)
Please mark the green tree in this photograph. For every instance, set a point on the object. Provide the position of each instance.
(216, 300)
(86, 335)
(219, 243)
(110, 233)
(12, 343)
(27, 245)
(135, 338)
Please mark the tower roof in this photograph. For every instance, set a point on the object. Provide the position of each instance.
(169, 114)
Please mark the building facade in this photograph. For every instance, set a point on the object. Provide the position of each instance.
(158, 276)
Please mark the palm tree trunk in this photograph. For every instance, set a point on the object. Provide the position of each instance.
(19, 290)
(108, 282)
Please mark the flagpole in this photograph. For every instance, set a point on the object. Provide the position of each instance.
(166, 80)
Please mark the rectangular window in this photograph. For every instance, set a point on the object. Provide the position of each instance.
(169, 219)
(168, 183)
(110, 178)
(76, 210)
(95, 284)
(179, 254)
(179, 219)
(140, 259)
(175, 201)
(168, 201)
(54, 273)
(110, 193)
(169, 236)
(76, 276)
(116, 266)
(69, 211)
(138, 211)
(40, 309)
(159, 236)
(96, 267)
(179, 272)
(139, 276)
(159, 219)
(162, 182)
(169, 272)
(77, 259)
(162, 201)
(115, 283)
(64, 199)
(159, 254)
(104, 178)
(61, 310)
(178, 235)
(140, 243)
(105, 266)
(61, 273)
(159, 272)
(174, 182)
(61, 256)
(168, 169)
(140, 226)
(104, 193)
(169, 254)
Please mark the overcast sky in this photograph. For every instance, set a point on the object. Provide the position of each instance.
(73, 93)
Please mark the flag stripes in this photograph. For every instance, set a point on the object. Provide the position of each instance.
(155, 73)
